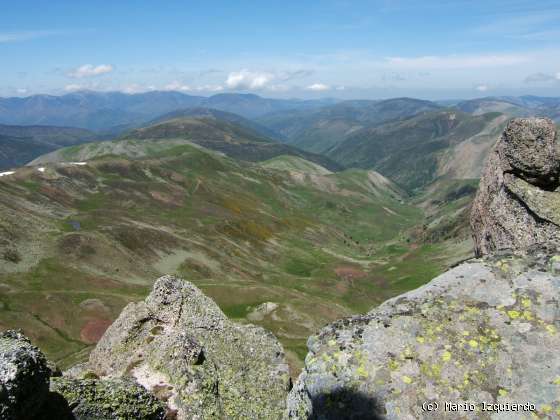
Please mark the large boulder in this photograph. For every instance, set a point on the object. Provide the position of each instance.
(180, 346)
(24, 377)
(483, 332)
(517, 204)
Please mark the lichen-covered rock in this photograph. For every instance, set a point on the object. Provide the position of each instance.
(24, 377)
(181, 347)
(80, 371)
(113, 399)
(517, 204)
(485, 331)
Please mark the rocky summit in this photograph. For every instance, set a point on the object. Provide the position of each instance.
(180, 346)
(518, 202)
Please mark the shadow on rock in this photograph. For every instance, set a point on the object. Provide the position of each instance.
(55, 408)
(346, 404)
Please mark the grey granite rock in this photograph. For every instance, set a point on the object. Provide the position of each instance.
(181, 347)
(517, 204)
(90, 399)
(24, 377)
(485, 331)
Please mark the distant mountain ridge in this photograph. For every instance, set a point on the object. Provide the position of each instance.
(235, 139)
(318, 130)
(416, 151)
(344, 131)
(228, 133)
(522, 106)
(411, 141)
(103, 111)
(50, 135)
(297, 120)
(217, 114)
(21, 144)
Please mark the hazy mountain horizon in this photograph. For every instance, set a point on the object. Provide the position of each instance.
(451, 99)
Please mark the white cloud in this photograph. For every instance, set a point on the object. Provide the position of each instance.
(181, 87)
(318, 87)
(340, 88)
(89, 70)
(246, 79)
(256, 80)
(73, 87)
(210, 88)
(481, 88)
(136, 88)
(557, 75)
(177, 86)
(456, 61)
(22, 91)
(279, 88)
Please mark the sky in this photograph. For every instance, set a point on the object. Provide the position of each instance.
(307, 49)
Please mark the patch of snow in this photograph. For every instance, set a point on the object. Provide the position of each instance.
(41, 169)
(78, 163)
(6, 173)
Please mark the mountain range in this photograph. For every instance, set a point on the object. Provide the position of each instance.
(318, 130)
(220, 131)
(413, 141)
(416, 151)
(114, 112)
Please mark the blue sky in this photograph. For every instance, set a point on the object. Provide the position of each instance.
(347, 49)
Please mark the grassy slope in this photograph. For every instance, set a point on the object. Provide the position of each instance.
(235, 139)
(294, 163)
(321, 129)
(79, 242)
(413, 152)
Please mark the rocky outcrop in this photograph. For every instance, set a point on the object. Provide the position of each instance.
(175, 355)
(31, 389)
(517, 204)
(91, 399)
(24, 377)
(180, 346)
(486, 331)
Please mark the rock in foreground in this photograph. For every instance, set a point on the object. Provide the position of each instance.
(517, 204)
(486, 331)
(181, 347)
(24, 377)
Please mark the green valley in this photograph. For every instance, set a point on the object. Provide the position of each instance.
(284, 243)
